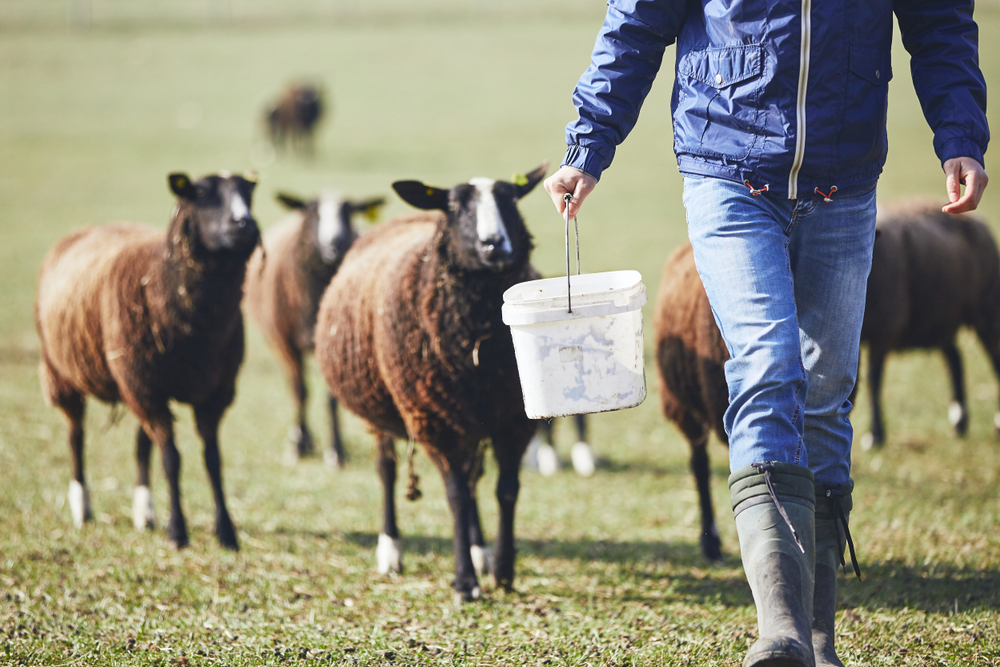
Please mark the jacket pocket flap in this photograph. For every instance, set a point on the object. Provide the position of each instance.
(872, 65)
(723, 67)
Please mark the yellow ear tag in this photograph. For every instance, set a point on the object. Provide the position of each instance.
(519, 179)
(430, 192)
(371, 213)
(180, 182)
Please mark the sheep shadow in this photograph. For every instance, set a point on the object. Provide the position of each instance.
(934, 589)
(606, 551)
(694, 580)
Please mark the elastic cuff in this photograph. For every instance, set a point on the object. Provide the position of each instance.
(788, 480)
(586, 160)
(958, 147)
(826, 494)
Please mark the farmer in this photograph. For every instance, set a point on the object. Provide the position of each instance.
(779, 110)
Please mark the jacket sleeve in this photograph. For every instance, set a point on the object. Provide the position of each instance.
(625, 61)
(943, 41)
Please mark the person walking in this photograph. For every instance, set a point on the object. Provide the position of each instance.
(779, 123)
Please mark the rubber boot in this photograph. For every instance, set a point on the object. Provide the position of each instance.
(831, 534)
(774, 504)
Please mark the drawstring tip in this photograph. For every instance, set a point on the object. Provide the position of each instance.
(827, 197)
(756, 192)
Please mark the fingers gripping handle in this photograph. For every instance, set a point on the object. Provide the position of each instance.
(567, 198)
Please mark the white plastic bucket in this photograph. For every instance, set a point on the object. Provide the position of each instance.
(588, 360)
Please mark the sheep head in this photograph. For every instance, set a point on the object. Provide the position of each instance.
(483, 230)
(328, 221)
(213, 214)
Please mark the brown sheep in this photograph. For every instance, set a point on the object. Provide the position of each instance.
(690, 355)
(127, 313)
(294, 116)
(411, 339)
(932, 273)
(283, 292)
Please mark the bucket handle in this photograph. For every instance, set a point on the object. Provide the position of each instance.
(567, 198)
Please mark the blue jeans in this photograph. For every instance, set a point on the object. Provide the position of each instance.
(786, 280)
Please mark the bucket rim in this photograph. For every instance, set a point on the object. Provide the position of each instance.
(544, 290)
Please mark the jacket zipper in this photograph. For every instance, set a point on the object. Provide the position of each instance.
(800, 102)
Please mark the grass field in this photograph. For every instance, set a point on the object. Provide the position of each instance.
(609, 570)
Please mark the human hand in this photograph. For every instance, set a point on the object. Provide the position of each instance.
(575, 182)
(965, 171)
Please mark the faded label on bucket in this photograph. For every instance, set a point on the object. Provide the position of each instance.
(570, 354)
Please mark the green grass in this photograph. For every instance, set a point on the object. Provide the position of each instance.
(609, 571)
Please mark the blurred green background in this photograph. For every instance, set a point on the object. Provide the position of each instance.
(99, 100)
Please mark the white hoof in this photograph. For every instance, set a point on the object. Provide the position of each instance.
(79, 503)
(867, 442)
(955, 413)
(291, 455)
(548, 462)
(474, 595)
(583, 459)
(530, 459)
(142, 509)
(480, 559)
(331, 460)
(389, 554)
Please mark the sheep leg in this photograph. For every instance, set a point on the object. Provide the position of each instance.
(142, 502)
(477, 544)
(479, 552)
(958, 415)
(508, 456)
(456, 482)
(994, 351)
(697, 437)
(580, 421)
(876, 364)
(389, 553)
(160, 429)
(541, 455)
(300, 440)
(72, 406)
(207, 418)
(335, 456)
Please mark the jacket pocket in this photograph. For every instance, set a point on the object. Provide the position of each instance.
(718, 101)
(863, 137)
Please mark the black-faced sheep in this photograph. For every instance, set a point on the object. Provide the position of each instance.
(130, 314)
(294, 116)
(541, 454)
(690, 356)
(285, 282)
(410, 338)
(932, 273)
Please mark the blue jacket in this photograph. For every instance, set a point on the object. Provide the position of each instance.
(785, 94)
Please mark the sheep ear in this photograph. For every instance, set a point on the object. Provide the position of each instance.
(181, 185)
(527, 182)
(422, 196)
(290, 202)
(370, 207)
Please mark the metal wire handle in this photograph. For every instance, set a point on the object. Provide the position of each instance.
(567, 198)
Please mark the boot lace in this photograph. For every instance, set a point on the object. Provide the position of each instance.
(766, 467)
(835, 495)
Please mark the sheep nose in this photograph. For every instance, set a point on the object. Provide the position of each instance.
(493, 246)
